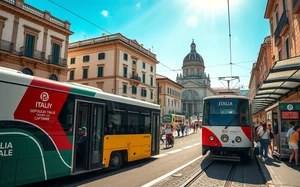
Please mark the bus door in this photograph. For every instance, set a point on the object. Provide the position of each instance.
(155, 133)
(89, 136)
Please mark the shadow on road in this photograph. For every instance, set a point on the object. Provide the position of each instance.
(81, 179)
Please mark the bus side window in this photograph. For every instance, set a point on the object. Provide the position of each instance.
(66, 116)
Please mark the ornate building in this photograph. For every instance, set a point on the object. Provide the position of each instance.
(195, 82)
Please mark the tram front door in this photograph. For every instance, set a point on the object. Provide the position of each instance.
(88, 136)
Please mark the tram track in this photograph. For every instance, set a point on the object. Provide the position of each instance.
(198, 176)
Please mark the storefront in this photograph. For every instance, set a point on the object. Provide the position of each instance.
(273, 100)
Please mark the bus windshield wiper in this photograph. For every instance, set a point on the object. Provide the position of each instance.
(231, 121)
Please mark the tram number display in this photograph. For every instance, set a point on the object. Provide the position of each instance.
(289, 115)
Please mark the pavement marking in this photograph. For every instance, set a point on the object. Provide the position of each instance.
(160, 155)
(187, 147)
(174, 151)
(197, 144)
(171, 173)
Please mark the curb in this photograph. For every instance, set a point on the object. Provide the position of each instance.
(268, 172)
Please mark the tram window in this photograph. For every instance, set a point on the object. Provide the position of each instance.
(132, 109)
(145, 111)
(66, 116)
(133, 122)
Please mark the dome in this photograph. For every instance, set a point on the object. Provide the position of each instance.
(193, 58)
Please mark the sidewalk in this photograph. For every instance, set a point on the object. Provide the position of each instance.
(279, 173)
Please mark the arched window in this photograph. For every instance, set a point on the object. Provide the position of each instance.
(27, 71)
(53, 77)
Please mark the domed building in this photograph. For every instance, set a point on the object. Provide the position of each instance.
(195, 82)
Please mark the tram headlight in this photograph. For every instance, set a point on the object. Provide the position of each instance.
(238, 139)
(211, 138)
(224, 138)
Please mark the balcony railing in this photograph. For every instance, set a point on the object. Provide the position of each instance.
(57, 61)
(135, 77)
(282, 23)
(296, 6)
(6, 45)
(39, 55)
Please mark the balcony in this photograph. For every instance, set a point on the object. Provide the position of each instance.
(31, 53)
(57, 61)
(282, 27)
(135, 80)
(6, 46)
(296, 6)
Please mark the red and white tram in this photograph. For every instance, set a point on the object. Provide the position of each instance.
(227, 127)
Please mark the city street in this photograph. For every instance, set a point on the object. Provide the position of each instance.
(170, 168)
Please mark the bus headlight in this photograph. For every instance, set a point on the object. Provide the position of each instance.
(224, 138)
(211, 138)
(238, 139)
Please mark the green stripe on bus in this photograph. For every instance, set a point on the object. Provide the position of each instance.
(82, 92)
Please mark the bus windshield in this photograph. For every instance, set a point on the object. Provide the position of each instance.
(226, 112)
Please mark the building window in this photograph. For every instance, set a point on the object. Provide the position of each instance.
(72, 60)
(144, 92)
(125, 71)
(134, 62)
(100, 71)
(53, 77)
(287, 48)
(124, 88)
(86, 58)
(168, 102)
(271, 25)
(144, 78)
(134, 90)
(279, 54)
(85, 73)
(125, 56)
(151, 95)
(144, 65)
(101, 56)
(29, 45)
(27, 71)
(151, 68)
(277, 17)
(72, 75)
(55, 53)
(151, 81)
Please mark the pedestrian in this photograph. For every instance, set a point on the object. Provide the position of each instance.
(264, 138)
(178, 130)
(269, 126)
(275, 131)
(194, 128)
(182, 129)
(293, 145)
(161, 133)
(289, 132)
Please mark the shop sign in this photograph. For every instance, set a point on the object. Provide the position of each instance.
(289, 106)
(287, 115)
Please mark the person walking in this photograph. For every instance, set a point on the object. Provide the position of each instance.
(161, 133)
(264, 137)
(178, 130)
(289, 132)
(182, 129)
(293, 145)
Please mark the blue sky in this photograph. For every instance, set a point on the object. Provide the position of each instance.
(169, 27)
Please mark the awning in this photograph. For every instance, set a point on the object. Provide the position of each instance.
(283, 78)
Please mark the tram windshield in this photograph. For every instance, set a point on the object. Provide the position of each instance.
(226, 112)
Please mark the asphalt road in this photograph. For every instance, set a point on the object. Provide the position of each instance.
(140, 172)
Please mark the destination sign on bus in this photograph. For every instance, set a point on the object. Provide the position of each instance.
(286, 115)
(225, 103)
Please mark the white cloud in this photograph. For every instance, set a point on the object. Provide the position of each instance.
(192, 21)
(138, 5)
(104, 13)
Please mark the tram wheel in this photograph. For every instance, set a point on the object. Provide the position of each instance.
(116, 160)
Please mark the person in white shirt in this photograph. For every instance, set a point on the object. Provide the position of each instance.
(289, 132)
(264, 135)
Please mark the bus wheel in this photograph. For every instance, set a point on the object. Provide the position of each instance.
(116, 160)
